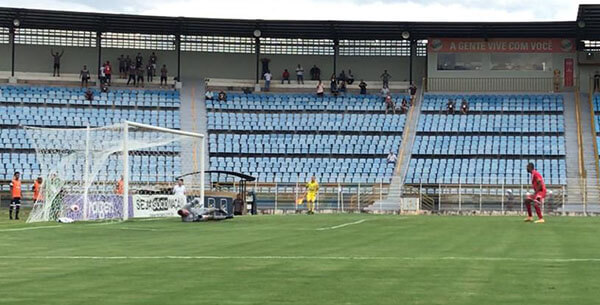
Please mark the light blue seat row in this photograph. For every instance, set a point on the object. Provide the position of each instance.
(491, 123)
(488, 102)
(489, 145)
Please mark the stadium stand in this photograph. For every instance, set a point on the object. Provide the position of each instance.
(289, 137)
(65, 107)
(492, 144)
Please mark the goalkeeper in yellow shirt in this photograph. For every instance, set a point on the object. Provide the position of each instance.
(312, 188)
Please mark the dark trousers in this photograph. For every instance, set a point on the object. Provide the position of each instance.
(163, 78)
(16, 205)
(300, 79)
(56, 71)
(287, 78)
(149, 75)
(131, 78)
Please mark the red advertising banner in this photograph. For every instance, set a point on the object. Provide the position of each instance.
(501, 45)
(569, 72)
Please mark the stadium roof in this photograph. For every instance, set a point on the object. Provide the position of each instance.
(100, 22)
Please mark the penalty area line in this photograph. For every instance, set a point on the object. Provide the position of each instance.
(29, 228)
(342, 225)
(308, 257)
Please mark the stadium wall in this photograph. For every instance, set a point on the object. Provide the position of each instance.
(35, 58)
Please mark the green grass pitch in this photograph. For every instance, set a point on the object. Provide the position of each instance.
(302, 259)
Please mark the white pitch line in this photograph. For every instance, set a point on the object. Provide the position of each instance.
(29, 228)
(342, 225)
(137, 229)
(345, 258)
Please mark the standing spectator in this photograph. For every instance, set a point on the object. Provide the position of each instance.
(16, 195)
(56, 56)
(391, 157)
(320, 89)
(102, 74)
(149, 72)
(153, 60)
(342, 77)
(342, 88)
(209, 95)
(128, 62)
(464, 107)
(385, 78)
(596, 81)
(132, 73)
(238, 205)
(122, 66)
(300, 74)
(140, 76)
(139, 60)
(84, 74)
(385, 92)
(315, 73)
(413, 91)
(363, 87)
(285, 76)
(450, 106)
(390, 105)
(350, 79)
(333, 84)
(108, 73)
(163, 75)
(179, 189)
(267, 78)
(265, 65)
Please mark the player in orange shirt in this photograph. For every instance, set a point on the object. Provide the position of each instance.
(119, 187)
(37, 191)
(15, 191)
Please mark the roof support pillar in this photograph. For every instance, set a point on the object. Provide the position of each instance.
(99, 45)
(257, 51)
(413, 44)
(12, 46)
(178, 48)
(336, 51)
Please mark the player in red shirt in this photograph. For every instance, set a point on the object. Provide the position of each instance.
(537, 198)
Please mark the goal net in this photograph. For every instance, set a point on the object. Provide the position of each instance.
(114, 172)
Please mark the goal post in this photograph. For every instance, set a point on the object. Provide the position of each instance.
(116, 172)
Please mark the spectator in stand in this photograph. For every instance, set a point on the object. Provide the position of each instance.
(333, 84)
(385, 78)
(128, 62)
(391, 157)
(102, 75)
(450, 106)
(342, 89)
(341, 77)
(300, 74)
(315, 73)
(350, 79)
(320, 89)
(404, 106)
(390, 105)
(222, 96)
(122, 66)
(163, 75)
(596, 81)
(149, 72)
(464, 107)
(104, 88)
(285, 76)
(153, 60)
(140, 76)
(56, 56)
(363, 87)
(267, 78)
(84, 74)
(413, 91)
(89, 95)
(209, 95)
(108, 72)
(385, 92)
(132, 73)
(139, 60)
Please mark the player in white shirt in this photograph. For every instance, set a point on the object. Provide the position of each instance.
(179, 189)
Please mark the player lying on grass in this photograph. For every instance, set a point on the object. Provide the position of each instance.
(194, 211)
(537, 198)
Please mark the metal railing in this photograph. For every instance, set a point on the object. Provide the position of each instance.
(492, 84)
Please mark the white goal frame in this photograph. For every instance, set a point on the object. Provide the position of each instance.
(126, 125)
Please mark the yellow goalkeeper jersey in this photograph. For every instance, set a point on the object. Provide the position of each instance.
(312, 187)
